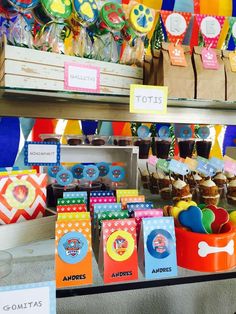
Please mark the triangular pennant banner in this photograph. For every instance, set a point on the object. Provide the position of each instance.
(232, 27)
(176, 24)
(89, 127)
(210, 27)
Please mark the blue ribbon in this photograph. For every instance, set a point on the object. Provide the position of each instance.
(9, 141)
(89, 127)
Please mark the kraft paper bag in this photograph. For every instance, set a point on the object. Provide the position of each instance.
(148, 77)
(230, 77)
(179, 79)
(210, 84)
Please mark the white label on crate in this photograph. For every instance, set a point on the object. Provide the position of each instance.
(80, 77)
(148, 99)
(42, 154)
(27, 299)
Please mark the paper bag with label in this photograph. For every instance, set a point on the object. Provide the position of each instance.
(157, 248)
(179, 79)
(210, 83)
(118, 251)
(229, 59)
(73, 253)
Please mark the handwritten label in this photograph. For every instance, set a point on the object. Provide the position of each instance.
(163, 165)
(80, 77)
(148, 99)
(42, 154)
(30, 298)
(178, 167)
(206, 168)
(152, 160)
(217, 163)
(209, 59)
(192, 163)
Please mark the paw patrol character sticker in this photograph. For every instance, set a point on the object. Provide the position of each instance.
(160, 243)
(72, 247)
(64, 177)
(116, 173)
(120, 245)
(103, 168)
(91, 172)
(53, 170)
(77, 171)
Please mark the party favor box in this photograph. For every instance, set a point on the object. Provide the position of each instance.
(73, 253)
(118, 251)
(22, 197)
(157, 248)
(47, 70)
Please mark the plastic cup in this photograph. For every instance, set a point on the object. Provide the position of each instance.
(75, 140)
(122, 140)
(98, 140)
(186, 147)
(144, 146)
(5, 263)
(162, 147)
(52, 138)
(203, 147)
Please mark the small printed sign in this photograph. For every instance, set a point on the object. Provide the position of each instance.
(42, 154)
(209, 59)
(148, 99)
(177, 56)
(78, 77)
(29, 298)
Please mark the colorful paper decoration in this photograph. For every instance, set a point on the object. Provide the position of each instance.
(210, 27)
(73, 253)
(22, 197)
(118, 251)
(72, 127)
(157, 249)
(176, 24)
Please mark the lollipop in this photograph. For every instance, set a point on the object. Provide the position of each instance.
(20, 31)
(85, 15)
(111, 22)
(7, 17)
(141, 21)
(53, 34)
(116, 175)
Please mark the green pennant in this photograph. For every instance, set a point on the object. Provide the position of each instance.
(232, 28)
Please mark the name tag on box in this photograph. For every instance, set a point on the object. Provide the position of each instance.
(121, 193)
(157, 248)
(29, 298)
(118, 251)
(73, 253)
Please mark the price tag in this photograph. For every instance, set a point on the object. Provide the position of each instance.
(30, 298)
(229, 165)
(178, 167)
(152, 160)
(42, 154)
(163, 165)
(148, 99)
(206, 168)
(78, 77)
(191, 163)
(217, 163)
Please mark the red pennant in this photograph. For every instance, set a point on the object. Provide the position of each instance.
(176, 24)
(194, 39)
(210, 27)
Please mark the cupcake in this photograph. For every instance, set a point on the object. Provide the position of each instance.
(165, 186)
(230, 176)
(144, 178)
(231, 193)
(154, 181)
(220, 180)
(194, 181)
(209, 192)
(181, 191)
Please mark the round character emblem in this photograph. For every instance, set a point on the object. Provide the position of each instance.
(91, 173)
(160, 243)
(72, 247)
(53, 170)
(120, 245)
(116, 173)
(103, 168)
(64, 177)
(77, 171)
(20, 194)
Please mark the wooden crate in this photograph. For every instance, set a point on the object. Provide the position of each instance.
(33, 69)
(21, 233)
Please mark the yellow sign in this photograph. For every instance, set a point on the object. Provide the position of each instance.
(148, 99)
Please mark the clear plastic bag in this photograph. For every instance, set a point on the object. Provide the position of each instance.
(20, 32)
(105, 48)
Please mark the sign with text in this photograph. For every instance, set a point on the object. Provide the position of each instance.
(30, 298)
(148, 99)
(42, 154)
(81, 77)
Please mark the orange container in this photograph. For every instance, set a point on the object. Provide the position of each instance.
(207, 252)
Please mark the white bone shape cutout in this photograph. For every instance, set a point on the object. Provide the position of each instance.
(204, 249)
